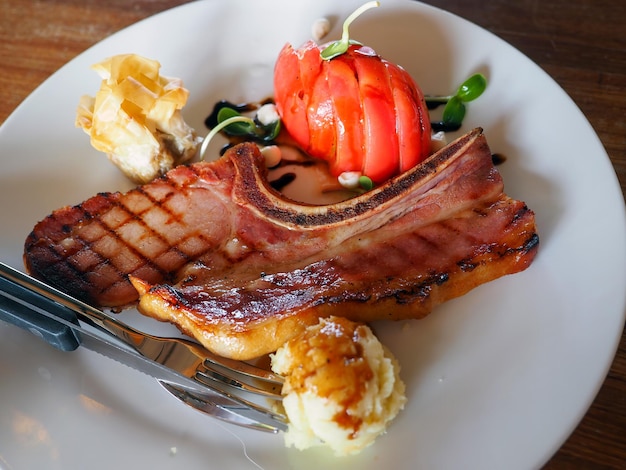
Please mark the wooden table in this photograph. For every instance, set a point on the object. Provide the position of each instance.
(580, 43)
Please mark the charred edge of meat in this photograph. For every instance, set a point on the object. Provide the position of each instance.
(62, 276)
(531, 244)
(256, 191)
(420, 291)
(43, 261)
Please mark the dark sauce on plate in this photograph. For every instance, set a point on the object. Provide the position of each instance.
(288, 178)
(283, 180)
(211, 121)
(498, 158)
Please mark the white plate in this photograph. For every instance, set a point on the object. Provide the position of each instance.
(496, 379)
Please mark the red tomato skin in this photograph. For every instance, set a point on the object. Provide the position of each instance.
(321, 119)
(346, 103)
(291, 91)
(412, 121)
(379, 117)
(357, 111)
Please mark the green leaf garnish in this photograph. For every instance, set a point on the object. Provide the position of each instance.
(366, 182)
(454, 112)
(335, 49)
(269, 132)
(472, 88)
(233, 123)
(341, 46)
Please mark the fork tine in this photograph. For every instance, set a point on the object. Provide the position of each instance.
(245, 407)
(250, 381)
(269, 422)
(231, 366)
(243, 368)
(241, 376)
(210, 376)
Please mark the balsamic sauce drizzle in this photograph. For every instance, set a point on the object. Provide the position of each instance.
(498, 158)
(211, 121)
(440, 126)
(287, 178)
(279, 183)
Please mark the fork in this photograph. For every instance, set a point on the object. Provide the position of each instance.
(238, 381)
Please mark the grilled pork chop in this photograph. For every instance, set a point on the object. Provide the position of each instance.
(212, 248)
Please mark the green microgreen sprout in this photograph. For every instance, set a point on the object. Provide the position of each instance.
(355, 181)
(341, 46)
(454, 110)
(366, 182)
(472, 88)
(235, 124)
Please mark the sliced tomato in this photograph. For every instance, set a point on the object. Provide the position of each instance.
(290, 95)
(357, 111)
(321, 120)
(346, 104)
(379, 118)
(412, 127)
(422, 111)
(311, 65)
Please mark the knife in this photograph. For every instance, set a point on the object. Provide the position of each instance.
(60, 327)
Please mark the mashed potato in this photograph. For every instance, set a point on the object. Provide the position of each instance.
(342, 387)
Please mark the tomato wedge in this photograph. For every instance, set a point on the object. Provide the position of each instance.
(412, 121)
(346, 106)
(379, 117)
(291, 96)
(321, 120)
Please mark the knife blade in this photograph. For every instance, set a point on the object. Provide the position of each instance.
(51, 326)
(59, 326)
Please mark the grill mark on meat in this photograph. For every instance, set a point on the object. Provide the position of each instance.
(155, 234)
(521, 213)
(421, 290)
(330, 281)
(249, 269)
(99, 239)
(427, 240)
(466, 265)
(141, 260)
(151, 233)
(50, 261)
(110, 231)
(529, 246)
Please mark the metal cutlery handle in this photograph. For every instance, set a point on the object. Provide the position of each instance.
(16, 303)
(63, 305)
(57, 334)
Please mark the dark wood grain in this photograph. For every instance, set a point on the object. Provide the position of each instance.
(580, 43)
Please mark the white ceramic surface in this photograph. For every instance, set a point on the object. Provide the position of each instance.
(496, 379)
